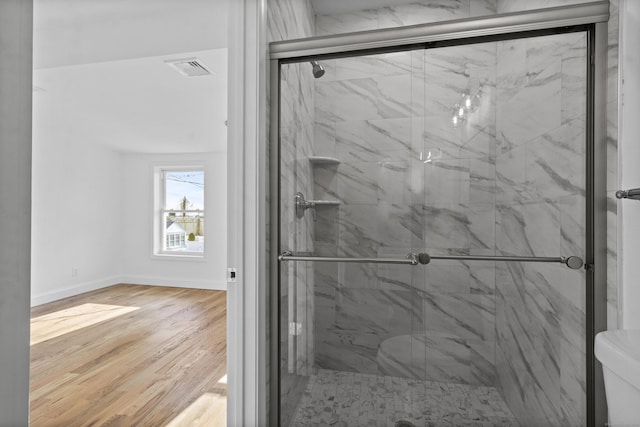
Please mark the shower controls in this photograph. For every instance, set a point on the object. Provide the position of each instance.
(302, 205)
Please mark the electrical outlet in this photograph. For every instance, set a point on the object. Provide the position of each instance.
(74, 272)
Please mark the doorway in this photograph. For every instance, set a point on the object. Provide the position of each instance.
(122, 91)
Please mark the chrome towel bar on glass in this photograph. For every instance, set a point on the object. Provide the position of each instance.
(628, 194)
(572, 262)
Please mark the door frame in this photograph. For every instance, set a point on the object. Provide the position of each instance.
(246, 215)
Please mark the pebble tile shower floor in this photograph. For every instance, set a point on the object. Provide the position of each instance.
(335, 398)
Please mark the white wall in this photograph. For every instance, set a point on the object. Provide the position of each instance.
(139, 266)
(15, 183)
(629, 158)
(76, 214)
(92, 213)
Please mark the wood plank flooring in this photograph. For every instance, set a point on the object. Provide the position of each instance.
(156, 356)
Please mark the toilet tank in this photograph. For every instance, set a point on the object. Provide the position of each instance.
(619, 353)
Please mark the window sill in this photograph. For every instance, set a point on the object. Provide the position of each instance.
(180, 257)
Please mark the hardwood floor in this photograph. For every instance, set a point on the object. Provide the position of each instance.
(130, 356)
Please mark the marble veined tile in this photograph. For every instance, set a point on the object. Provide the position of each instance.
(357, 276)
(447, 276)
(482, 274)
(482, 362)
(357, 183)
(555, 165)
(397, 277)
(511, 63)
(347, 350)
(534, 110)
(511, 180)
(387, 64)
(420, 13)
(326, 181)
(574, 80)
(403, 356)
(543, 50)
(572, 368)
(346, 100)
(394, 186)
(482, 231)
(439, 137)
(324, 139)
(394, 96)
(530, 228)
(483, 7)
(444, 88)
(346, 22)
(373, 140)
(380, 225)
(446, 227)
(463, 316)
(387, 313)
(446, 182)
(573, 225)
(447, 360)
(482, 181)
(481, 55)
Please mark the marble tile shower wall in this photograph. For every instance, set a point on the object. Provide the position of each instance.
(359, 308)
(408, 180)
(504, 6)
(540, 211)
(418, 12)
(290, 19)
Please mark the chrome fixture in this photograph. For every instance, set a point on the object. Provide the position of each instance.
(573, 262)
(302, 205)
(411, 259)
(318, 69)
(628, 194)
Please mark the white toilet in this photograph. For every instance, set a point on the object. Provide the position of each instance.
(619, 353)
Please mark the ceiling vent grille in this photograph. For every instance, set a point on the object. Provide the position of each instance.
(190, 67)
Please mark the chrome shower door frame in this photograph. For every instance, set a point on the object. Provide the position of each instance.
(589, 17)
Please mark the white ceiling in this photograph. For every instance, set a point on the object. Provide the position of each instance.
(328, 7)
(70, 32)
(101, 66)
(137, 105)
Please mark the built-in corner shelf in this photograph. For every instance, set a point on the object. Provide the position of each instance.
(323, 160)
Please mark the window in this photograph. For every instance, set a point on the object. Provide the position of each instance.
(181, 211)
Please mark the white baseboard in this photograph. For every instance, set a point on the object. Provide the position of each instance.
(214, 285)
(70, 291)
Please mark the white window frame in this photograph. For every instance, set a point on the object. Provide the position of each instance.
(159, 211)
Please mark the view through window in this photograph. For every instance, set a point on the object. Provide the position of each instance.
(183, 211)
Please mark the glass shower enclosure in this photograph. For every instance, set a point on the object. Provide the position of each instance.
(433, 235)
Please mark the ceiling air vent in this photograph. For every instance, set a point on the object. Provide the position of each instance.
(190, 67)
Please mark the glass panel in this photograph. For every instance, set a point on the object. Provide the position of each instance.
(462, 150)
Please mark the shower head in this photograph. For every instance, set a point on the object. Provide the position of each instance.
(318, 70)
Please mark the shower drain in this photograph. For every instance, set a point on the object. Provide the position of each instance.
(403, 423)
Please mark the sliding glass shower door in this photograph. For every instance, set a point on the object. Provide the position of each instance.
(432, 227)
